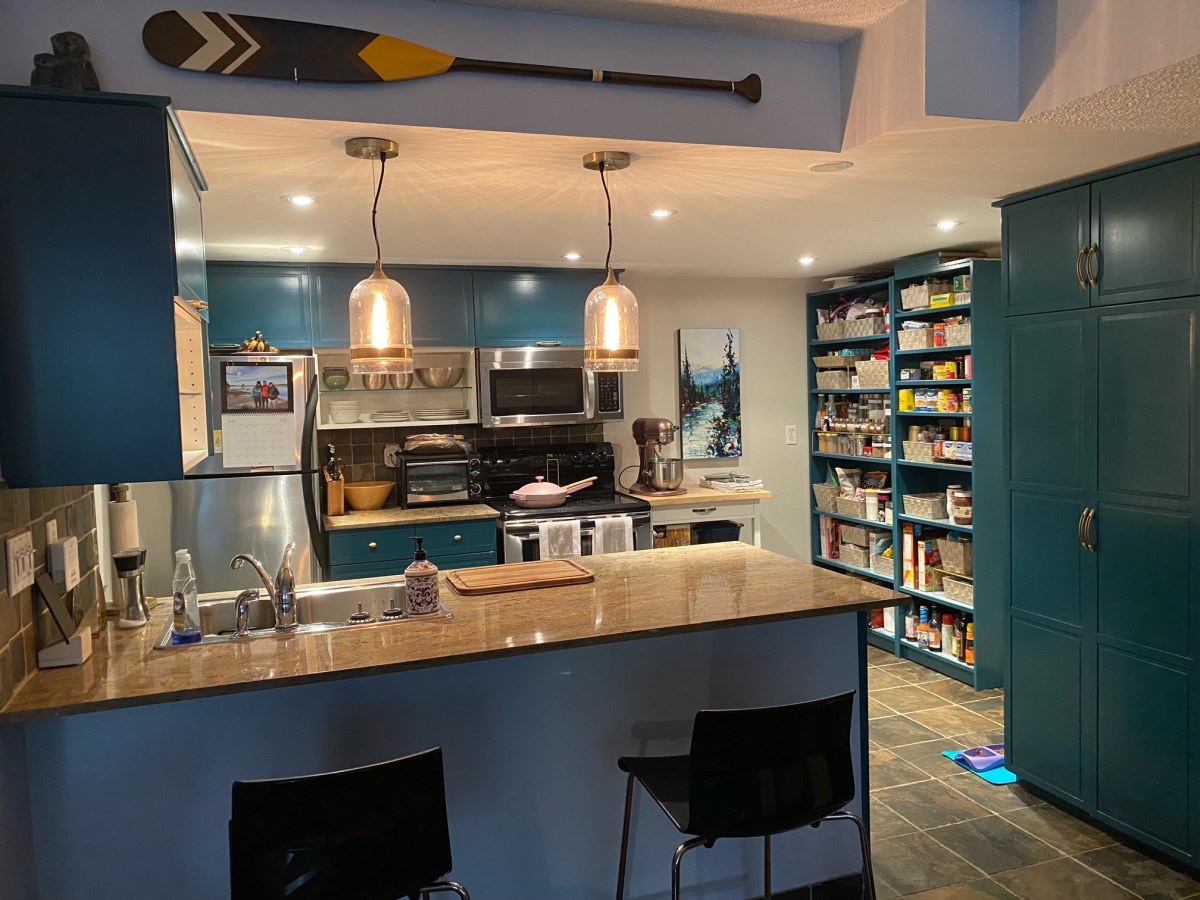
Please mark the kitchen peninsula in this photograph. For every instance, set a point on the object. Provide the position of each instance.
(531, 738)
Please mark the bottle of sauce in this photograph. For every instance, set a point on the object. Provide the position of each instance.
(969, 645)
(923, 629)
(911, 618)
(421, 583)
(948, 633)
(959, 637)
(935, 630)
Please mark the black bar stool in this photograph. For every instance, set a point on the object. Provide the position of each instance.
(374, 833)
(753, 773)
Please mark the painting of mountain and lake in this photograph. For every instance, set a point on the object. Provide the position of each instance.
(710, 392)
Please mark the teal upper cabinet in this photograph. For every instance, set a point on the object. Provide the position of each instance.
(1044, 242)
(1146, 234)
(245, 297)
(89, 387)
(515, 308)
(440, 299)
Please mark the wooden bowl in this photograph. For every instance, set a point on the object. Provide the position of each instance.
(363, 495)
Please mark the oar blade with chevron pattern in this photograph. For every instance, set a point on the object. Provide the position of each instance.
(230, 44)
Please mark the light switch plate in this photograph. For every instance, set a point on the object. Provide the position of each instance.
(63, 558)
(19, 551)
(51, 531)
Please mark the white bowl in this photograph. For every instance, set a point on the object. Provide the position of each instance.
(344, 417)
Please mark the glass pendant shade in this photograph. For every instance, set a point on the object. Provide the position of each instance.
(610, 328)
(380, 327)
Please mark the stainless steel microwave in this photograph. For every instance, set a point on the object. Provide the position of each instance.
(544, 385)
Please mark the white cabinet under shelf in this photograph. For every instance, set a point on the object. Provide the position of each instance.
(193, 396)
(702, 504)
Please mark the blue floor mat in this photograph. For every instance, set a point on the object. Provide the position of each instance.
(998, 775)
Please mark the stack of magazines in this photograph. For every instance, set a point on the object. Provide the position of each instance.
(731, 482)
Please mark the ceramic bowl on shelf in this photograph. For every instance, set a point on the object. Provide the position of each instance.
(440, 376)
(343, 416)
(364, 495)
(335, 378)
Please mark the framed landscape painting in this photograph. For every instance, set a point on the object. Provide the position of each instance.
(710, 393)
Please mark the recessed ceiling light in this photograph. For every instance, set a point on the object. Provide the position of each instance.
(299, 199)
(947, 224)
(297, 250)
(572, 256)
(838, 166)
(663, 213)
(807, 260)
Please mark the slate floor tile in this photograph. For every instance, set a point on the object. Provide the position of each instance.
(1060, 879)
(1059, 829)
(983, 889)
(952, 720)
(928, 804)
(913, 673)
(909, 698)
(999, 798)
(876, 710)
(958, 692)
(916, 862)
(886, 822)
(1146, 877)
(993, 844)
(992, 707)
(896, 731)
(889, 770)
(879, 678)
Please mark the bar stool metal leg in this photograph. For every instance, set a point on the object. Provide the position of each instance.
(448, 886)
(865, 840)
(678, 858)
(625, 839)
(767, 867)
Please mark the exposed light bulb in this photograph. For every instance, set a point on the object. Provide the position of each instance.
(299, 199)
(807, 260)
(947, 224)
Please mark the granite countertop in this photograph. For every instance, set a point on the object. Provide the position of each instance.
(696, 494)
(639, 594)
(422, 515)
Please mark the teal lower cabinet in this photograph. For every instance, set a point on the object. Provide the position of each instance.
(372, 552)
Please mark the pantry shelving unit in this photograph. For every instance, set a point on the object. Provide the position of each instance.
(921, 476)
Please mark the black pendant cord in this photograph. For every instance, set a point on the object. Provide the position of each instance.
(607, 200)
(375, 208)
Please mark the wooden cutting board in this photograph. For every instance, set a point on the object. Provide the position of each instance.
(518, 577)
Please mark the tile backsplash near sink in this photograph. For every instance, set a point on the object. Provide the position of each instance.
(361, 449)
(29, 510)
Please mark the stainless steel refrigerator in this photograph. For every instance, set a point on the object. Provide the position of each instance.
(256, 492)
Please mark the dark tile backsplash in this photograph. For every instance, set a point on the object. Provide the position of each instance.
(21, 633)
(361, 449)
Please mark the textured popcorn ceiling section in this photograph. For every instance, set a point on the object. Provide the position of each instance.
(822, 21)
(1165, 101)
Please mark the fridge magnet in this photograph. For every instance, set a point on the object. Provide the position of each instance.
(710, 392)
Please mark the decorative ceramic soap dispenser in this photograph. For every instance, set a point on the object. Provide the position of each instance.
(421, 583)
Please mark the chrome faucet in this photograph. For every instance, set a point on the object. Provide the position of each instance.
(282, 590)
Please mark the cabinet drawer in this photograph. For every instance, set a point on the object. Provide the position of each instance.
(703, 512)
(463, 560)
(371, 545)
(458, 537)
(368, 570)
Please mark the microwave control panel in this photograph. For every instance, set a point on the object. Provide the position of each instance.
(608, 392)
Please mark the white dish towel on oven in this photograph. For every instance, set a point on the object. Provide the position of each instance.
(613, 535)
(559, 539)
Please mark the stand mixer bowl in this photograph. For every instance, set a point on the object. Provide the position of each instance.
(666, 474)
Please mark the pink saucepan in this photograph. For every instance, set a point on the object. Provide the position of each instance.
(542, 494)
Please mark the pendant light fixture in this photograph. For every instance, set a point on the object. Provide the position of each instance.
(380, 318)
(610, 316)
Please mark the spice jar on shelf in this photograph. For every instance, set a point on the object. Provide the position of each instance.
(960, 506)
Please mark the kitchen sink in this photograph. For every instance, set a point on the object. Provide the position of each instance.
(318, 608)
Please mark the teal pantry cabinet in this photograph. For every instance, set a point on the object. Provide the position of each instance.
(370, 552)
(89, 269)
(1102, 488)
(515, 308)
(249, 297)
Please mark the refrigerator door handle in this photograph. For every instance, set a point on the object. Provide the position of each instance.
(315, 534)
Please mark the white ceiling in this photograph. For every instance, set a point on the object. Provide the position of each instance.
(823, 21)
(485, 198)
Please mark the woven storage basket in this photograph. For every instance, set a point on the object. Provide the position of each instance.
(925, 506)
(839, 361)
(958, 335)
(866, 327)
(855, 534)
(831, 331)
(959, 591)
(826, 495)
(915, 339)
(872, 373)
(881, 565)
(918, 451)
(848, 507)
(855, 556)
(957, 556)
(833, 380)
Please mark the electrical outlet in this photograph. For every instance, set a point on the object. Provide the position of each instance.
(19, 550)
(391, 456)
(790, 435)
(51, 532)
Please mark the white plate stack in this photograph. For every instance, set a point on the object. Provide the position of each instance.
(433, 415)
(392, 415)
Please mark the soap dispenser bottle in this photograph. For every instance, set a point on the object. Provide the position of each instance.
(421, 583)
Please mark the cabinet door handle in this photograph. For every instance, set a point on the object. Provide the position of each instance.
(458, 537)
(1087, 530)
(372, 546)
(1079, 267)
(1093, 253)
(1079, 528)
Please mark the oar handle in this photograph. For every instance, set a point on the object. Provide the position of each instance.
(749, 87)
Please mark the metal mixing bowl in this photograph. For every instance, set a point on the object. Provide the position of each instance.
(374, 381)
(400, 381)
(667, 474)
(440, 376)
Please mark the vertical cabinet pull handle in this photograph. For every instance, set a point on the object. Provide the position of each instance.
(1079, 267)
(1087, 530)
(1093, 253)
(1079, 528)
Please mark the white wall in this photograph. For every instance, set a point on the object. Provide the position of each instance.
(770, 314)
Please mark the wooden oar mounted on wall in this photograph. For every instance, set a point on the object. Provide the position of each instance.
(227, 44)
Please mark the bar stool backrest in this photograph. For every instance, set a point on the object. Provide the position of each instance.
(754, 772)
(379, 831)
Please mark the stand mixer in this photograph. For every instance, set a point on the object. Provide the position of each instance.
(658, 475)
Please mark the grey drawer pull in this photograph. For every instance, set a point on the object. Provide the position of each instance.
(707, 509)
(372, 546)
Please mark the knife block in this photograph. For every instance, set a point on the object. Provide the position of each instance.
(335, 496)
